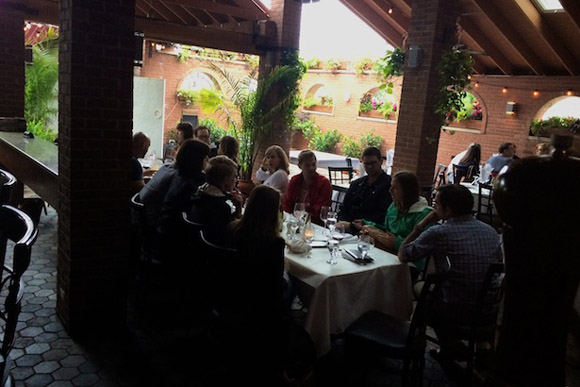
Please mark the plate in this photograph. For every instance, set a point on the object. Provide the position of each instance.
(315, 244)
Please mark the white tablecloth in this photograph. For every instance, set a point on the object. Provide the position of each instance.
(327, 160)
(336, 295)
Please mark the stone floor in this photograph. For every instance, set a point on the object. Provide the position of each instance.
(148, 354)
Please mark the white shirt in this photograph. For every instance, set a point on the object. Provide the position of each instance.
(278, 179)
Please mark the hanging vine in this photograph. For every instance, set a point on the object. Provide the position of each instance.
(391, 65)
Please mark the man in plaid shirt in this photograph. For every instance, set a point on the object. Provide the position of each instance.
(469, 244)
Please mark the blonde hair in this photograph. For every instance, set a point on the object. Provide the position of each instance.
(219, 169)
(284, 163)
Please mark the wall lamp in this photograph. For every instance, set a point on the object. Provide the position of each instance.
(511, 108)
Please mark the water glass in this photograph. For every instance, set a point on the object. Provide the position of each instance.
(331, 222)
(292, 228)
(365, 243)
(299, 210)
(333, 248)
(338, 233)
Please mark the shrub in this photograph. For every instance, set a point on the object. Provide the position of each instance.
(351, 147)
(325, 141)
(307, 127)
(216, 131)
(354, 148)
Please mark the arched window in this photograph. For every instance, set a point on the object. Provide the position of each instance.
(318, 99)
(197, 81)
(377, 103)
(472, 118)
(561, 112)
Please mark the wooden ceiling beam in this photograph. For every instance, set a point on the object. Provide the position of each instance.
(41, 11)
(243, 40)
(486, 45)
(398, 18)
(253, 13)
(516, 41)
(572, 7)
(178, 16)
(155, 9)
(536, 19)
(192, 15)
(403, 5)
(375, 21)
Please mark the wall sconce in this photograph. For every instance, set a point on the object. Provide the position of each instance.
(346, 97)
(511, 108)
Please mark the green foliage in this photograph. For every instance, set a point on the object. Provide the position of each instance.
(539, 127)
(386, 108)
(333, 64)
(363, 65)
(275, 99)
(188, 97)
(391, 65)
(365, 103)
(455, 68)
(216, 131)
(41, 89)
(307, 127)
(311, 101)
(253, 61)
(354, 148)
(312, 63)
(324, 141)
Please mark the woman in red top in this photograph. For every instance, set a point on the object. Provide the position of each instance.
(308, 187)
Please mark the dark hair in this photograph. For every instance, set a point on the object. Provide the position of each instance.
(372, 151)
(186, 128)
(457, 198)
(261, 215)
(190, 157)
(196, 130)
(472, 155)
(230, 147)
(219, 168)
(504, 146)
(305, 154)
(410, 187)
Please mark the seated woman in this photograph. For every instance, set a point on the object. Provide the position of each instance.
(407, 209)
(469, 157)
(216, 203)
(262, 304)
(275, 169)
(190, 162)
(230, 147)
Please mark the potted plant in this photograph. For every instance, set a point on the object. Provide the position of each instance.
(275, 99)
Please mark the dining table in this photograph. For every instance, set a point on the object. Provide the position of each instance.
(335, 295)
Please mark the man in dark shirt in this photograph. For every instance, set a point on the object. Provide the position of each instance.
(367, 197)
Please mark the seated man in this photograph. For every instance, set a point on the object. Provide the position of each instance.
(469, 244)
(203, 134)
(139, 147)
(308, 187)
(505, 156)
(367, 197)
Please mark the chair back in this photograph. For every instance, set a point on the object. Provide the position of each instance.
(485, 203)
(461, 173)
(338, 193)
(7, 183)
(488, 301)
(439, 177)
(17, 227)
(340, 175)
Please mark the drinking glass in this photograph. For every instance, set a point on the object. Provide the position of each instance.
(324, 214)
(299, 210)
(292, 228)
(331, 222)
(333, 248)
(308, 235)
(338, 233)
(365, 243)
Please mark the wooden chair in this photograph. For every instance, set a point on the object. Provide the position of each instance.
(340, 175)
(439, 177)
(7, 183)
(17, 227)
(482, 325)
(485, 204)
(376, 334)
(338, 193)
(462, 173)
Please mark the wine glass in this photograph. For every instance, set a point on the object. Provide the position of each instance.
(299, 210)
(331, 222)
(292, 228)
(365, 242)
(338, 233)
(333, 248)
(324, 214)
(308, 235)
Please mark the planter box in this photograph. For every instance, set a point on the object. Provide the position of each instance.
(319, 108)
(372, 114)
(575, 148)
(467, 124)
(298, 140)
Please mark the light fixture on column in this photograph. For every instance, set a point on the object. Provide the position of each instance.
(504, 90)
(511, 108)
(569, 93)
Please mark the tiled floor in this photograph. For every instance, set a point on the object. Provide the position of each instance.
(148, 354)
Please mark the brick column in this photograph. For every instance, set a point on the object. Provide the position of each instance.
(12, 66)
(287, 15)
(95, 124)
(432, 28)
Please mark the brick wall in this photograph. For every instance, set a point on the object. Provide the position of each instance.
(95, 123)
(11, 60)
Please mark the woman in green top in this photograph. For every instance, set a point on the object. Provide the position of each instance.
(408, 209)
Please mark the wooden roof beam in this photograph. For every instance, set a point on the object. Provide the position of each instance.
(155, 9)
(253, 13)
(246, 40)
(486, 45)
(400, 20)
(41, 11)
(535, 18)
(173, 12)
(515, 40)
(572, 7)
(369, 16)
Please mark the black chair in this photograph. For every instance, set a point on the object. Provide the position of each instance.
(462, 173)
(376, 334)
(7, 183)
(439, 177)
(144, 234)
(340, 175)
(485, 204)
(480, 331)
(17, 227)
(338, 193)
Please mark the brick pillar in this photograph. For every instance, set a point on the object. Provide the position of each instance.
(12, 66)
(95, 124)
(287, 15)
(432, 28)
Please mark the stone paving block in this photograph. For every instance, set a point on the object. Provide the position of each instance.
(37, 348)
(54, 354)
(73, 361)
(38, 380)
(61, 383)
(85, 380)
(28, 360)
(65, 373)
(46, 367)
(31, 331)
(21, 373)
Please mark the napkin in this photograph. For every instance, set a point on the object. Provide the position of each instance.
(298, 246)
